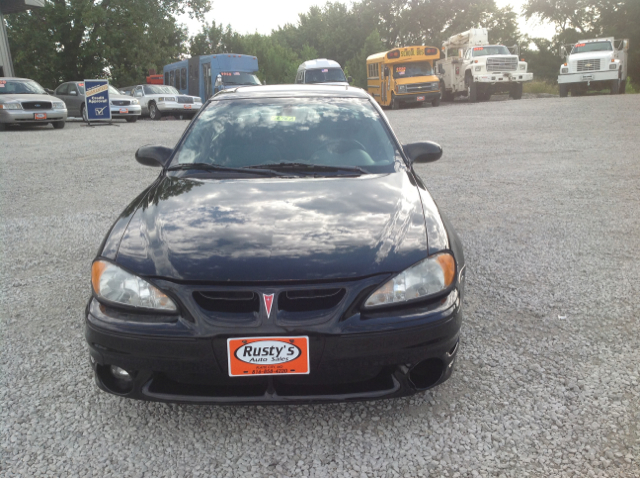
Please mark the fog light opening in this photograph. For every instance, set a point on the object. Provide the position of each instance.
(426, 373)
(115, 379)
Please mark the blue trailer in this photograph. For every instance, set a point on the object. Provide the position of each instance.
(205, 75)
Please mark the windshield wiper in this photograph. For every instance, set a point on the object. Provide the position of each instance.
(212, 167)
(309, 167)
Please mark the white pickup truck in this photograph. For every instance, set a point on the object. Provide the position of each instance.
(595, 64)
(474, 68)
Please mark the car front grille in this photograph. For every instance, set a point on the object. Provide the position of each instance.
(240, 302)
(422, 87)
(588, 65)
(309, 299)
(36, 105)
(121, 102)
(502, 64)
(185, 99)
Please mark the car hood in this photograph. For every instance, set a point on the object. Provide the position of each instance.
(591, 55)
(26, 97)
(274, 229)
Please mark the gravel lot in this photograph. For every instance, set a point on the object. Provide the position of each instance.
(545, 194)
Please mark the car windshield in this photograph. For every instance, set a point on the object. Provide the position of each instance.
(239, 78)
(324, 75)
(244, 133)
(413, 69)
(592, 47)
(114, 91)
(8, 87)
(159, 90)
(490, 50)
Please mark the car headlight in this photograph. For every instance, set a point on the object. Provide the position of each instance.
(11, 106)
(565, 70)
(478, 68)
(58, 105)
(521, 67)
(114, 284)
(613, 66)
(167, 98)
(135, 102)
(430, 276)
(402, 89)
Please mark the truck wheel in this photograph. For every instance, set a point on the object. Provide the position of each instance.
(615, 86)
(436, 102)
(444, 94)
(472, 91)
(154, 113)
(564, 90)
(516, 91)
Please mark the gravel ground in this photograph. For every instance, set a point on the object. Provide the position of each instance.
(545, 194)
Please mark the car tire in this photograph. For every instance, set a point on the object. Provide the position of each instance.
(436, 102)
(472, 91)
(623, 86)
(58, 125)
(154, 113)
(3, 126)
(83, 113)
(516, 91)
(615, 86)
(564, 90)
(131, 119)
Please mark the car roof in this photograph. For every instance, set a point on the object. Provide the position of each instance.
(294, 90)
(17, 78)
(319, 63)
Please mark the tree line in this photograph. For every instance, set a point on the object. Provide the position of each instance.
(123, 39)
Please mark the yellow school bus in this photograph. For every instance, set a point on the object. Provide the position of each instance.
(404, 75)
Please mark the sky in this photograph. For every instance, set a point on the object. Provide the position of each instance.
(250, 16)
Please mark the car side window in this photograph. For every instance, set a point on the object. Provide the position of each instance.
(63, 89)
(138, 91)
(73, 89)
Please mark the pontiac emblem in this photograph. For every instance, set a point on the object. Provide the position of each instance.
(268, 302)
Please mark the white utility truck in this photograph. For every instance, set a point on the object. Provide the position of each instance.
(595, 64)
(474, 68)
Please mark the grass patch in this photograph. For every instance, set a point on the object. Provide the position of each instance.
(538, 86)
(629, 87)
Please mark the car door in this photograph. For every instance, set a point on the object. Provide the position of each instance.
(76, 98)
(62, 94)
(138, 92)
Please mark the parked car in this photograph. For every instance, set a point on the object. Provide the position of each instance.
(24, 101)
(321, 70)
(121, 106)
(287, 252)
(164, 100)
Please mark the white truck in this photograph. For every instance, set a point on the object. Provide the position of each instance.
(474, 68)
(595, 64)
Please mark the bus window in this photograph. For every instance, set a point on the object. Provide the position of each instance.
(412, 69)
(183, 79)
(166, 78)
(171, 78)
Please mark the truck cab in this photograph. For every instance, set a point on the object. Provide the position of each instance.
(594, 64)
(477, 69)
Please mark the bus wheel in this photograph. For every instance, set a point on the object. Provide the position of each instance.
(395, 104)
(436, 102)
(564, 90)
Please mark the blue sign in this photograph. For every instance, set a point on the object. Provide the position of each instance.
(97, 99)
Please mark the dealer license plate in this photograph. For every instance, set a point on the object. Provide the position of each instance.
(187, 107)
(268, 356)
(587, 77)
(124, 110)
(40, 116)
(420, 98)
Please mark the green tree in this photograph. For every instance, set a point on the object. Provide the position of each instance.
(117, 39)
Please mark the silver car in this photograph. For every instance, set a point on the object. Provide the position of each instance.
(25, 101)
(121, 106)
(164, 100)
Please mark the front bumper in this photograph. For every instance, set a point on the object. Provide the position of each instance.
(125, 111)
(496, 78)
(418, 97)
(29, 116)
(382, 355)
(182, 108)
(584, 77)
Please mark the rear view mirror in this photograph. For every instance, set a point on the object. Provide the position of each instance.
(157, 156)
(422, 152)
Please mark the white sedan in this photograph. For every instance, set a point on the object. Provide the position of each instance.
(164, 100)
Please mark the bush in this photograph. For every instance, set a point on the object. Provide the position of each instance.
(538, 86)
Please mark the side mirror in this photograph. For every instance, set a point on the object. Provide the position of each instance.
(350, 79)
(440, 68)
(156, 156)
(423, 152)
